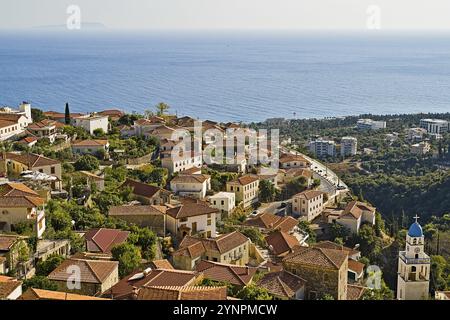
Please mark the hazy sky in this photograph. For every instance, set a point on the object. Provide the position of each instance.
(211, 14)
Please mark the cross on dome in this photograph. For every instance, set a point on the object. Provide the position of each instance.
(416, 217)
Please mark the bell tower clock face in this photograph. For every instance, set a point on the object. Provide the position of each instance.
(417, 250)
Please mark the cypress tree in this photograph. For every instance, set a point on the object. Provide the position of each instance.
(67, 118)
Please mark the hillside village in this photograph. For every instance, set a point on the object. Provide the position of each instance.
(102, 196)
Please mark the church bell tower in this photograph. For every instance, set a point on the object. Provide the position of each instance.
(413, 266)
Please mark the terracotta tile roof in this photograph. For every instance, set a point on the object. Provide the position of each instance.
(282, 284)
(42, 124)
(92, 271)
(355, 292)
(18, 195)
(150, 210)
(31, 160)
(7, 241)
(183, 293)
(112, 113)
(8, 286)
(281, 242)
(126, 287)
(319, 257)
(245, 180)
(193, 170)
(59, 115)
(10, 117)
(236, 275)
(356, 266)
(141, 189)
(355, 209)
(21, 202)
(190, 178)
(103, 239)
(272, 222)
(195, 247)
(28, 140)
(161, 264)
(40, 294)
(6, 123)
(90, 143)
(288, 157)
(309, 194)
(14, 189)
(190, 210)
(335, 246)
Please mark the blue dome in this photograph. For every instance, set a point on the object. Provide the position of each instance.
(415, 230)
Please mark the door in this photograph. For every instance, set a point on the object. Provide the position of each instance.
(194, 227)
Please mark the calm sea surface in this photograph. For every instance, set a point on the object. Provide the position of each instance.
(228, 77)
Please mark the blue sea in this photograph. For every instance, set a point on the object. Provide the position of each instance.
(228, 76)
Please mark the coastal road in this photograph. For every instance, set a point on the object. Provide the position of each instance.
(329, 181)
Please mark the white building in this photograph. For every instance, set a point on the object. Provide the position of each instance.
(191, 185)
(183, 162)
(191, 219)
(91, 122)
(421, 148)
(413, 267)
(349, 146)
(416, 134)
(23, 111)
(308, 204)
(355, 214)
(323, 148)
(435, 125)
(224, 201)
(9, 129)
(369, 124)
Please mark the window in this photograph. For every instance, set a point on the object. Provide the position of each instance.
(52, 170)
(183, 219)
(222, 202)
(209, 222)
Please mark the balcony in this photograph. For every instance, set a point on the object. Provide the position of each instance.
(413, 260)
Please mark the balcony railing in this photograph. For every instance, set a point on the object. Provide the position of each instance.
(414, 260)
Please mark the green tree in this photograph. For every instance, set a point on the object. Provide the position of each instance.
(87, 162)
(145, 239)
(305, 226)
(43, 268)
(67, 114)
(37, 115)
(99, 133)
(161, 108)
(39, 282)
(267, 191)
(129, 258)
(253, 292)
(59, 220)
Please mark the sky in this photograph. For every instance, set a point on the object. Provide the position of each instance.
(231, 14)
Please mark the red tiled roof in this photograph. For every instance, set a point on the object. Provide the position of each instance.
(183, 293)
(40, 294)
(355, 292)
(335, 246)
(150, 210)
(7, 286)
(245, 180)
(141, 189)
(287, 157)
(190, 210)
(18, 195)
(356, 266)
(270, 221)
(161, 264)
(103, 239)
(281, 242)
(31, 160)
(91, 271)
(7, 241)
(190, 178)
(355, 209)
(282, 283)
(314, 256)
(236, 275)
(126, 287)
(195, 247)
(309, 194)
